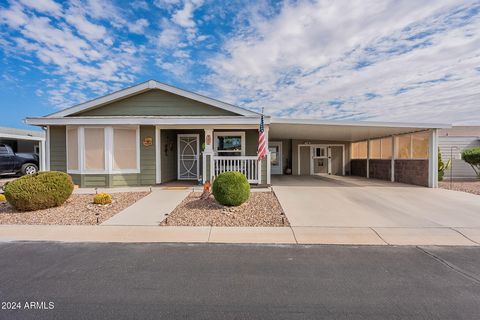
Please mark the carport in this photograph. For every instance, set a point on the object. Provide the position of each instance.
(25, 141)
(390, 151)
(358, 202)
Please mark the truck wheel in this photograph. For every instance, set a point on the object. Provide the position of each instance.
(29, 168)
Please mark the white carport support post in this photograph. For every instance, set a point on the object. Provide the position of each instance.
(368, 158)
(392, 169)
(42, 150)
(47, 148)
(433, 159)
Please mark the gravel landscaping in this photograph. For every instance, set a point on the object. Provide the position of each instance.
(465, 186)
(261, 210)
(77, 210)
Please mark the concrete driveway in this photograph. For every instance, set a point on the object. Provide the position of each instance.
(357, 202)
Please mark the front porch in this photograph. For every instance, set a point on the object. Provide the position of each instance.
(201, 154)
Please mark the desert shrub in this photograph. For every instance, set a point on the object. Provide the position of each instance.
(231, 188)
(472, 157)
(41, 190)
(102, 198)
(2, 198)
(442, 166)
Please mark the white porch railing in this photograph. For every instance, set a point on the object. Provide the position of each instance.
(248, 165)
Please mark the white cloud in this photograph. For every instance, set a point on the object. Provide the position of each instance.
(75, 52)
(170, 35)
(13, 16)
(184, 16)
(88, 29)
(44, 6)
(139, 5)
(138, 26)
(388, 60)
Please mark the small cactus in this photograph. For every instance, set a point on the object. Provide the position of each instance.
(102, 198)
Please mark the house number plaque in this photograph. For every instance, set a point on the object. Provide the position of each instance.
(147, 141)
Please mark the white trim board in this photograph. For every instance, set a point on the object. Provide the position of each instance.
(146, 86)
(174, 121)
(359, 123)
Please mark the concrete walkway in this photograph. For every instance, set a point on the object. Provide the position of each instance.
(150, 210)
(247, 235)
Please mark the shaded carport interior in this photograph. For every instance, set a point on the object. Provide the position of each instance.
(306, 131)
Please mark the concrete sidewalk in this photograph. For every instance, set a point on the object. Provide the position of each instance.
(150, 210)
(247, 235)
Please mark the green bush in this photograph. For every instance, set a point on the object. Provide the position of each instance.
(40, 190)
(231, 188)
(102, 198)
(472, 157)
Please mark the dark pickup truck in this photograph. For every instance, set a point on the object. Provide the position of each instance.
(17, 163)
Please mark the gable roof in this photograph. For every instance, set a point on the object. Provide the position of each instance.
(146, 86)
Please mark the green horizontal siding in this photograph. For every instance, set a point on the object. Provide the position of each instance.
(147, 157)
(58, 148)
(156, 103)
(77, 179)
(124, 180)
(94, 180)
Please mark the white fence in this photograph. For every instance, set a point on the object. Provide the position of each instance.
(248, 165)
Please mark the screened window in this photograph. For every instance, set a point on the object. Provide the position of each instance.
(124, 149)
(413, 146)
(72, 149)
(230, 143)
(359, 150)
(420, 145)
(102, 150)
(386, 148)
(94, 148)
(404, 146)
(375, 149)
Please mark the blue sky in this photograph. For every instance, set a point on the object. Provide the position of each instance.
(345, 60)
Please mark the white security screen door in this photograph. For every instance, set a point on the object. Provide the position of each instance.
(275, 148)
(188, 155)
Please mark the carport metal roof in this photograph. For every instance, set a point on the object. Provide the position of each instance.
(13, 133)
(282, 128)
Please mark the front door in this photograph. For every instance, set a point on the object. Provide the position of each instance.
(188, 156)
(275, 148)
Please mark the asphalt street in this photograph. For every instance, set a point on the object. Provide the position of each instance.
(174, 281)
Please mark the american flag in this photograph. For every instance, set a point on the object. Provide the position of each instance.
(262, 146)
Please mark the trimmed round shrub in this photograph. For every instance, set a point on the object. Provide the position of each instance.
(2, 198)
(41, 190)
(102, 198)
(231, 188)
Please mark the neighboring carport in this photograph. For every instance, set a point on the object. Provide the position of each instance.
(397, 152)
(25, 141)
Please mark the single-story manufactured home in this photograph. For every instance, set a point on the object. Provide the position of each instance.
(153, 133)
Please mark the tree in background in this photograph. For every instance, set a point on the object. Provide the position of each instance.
(472, 157)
